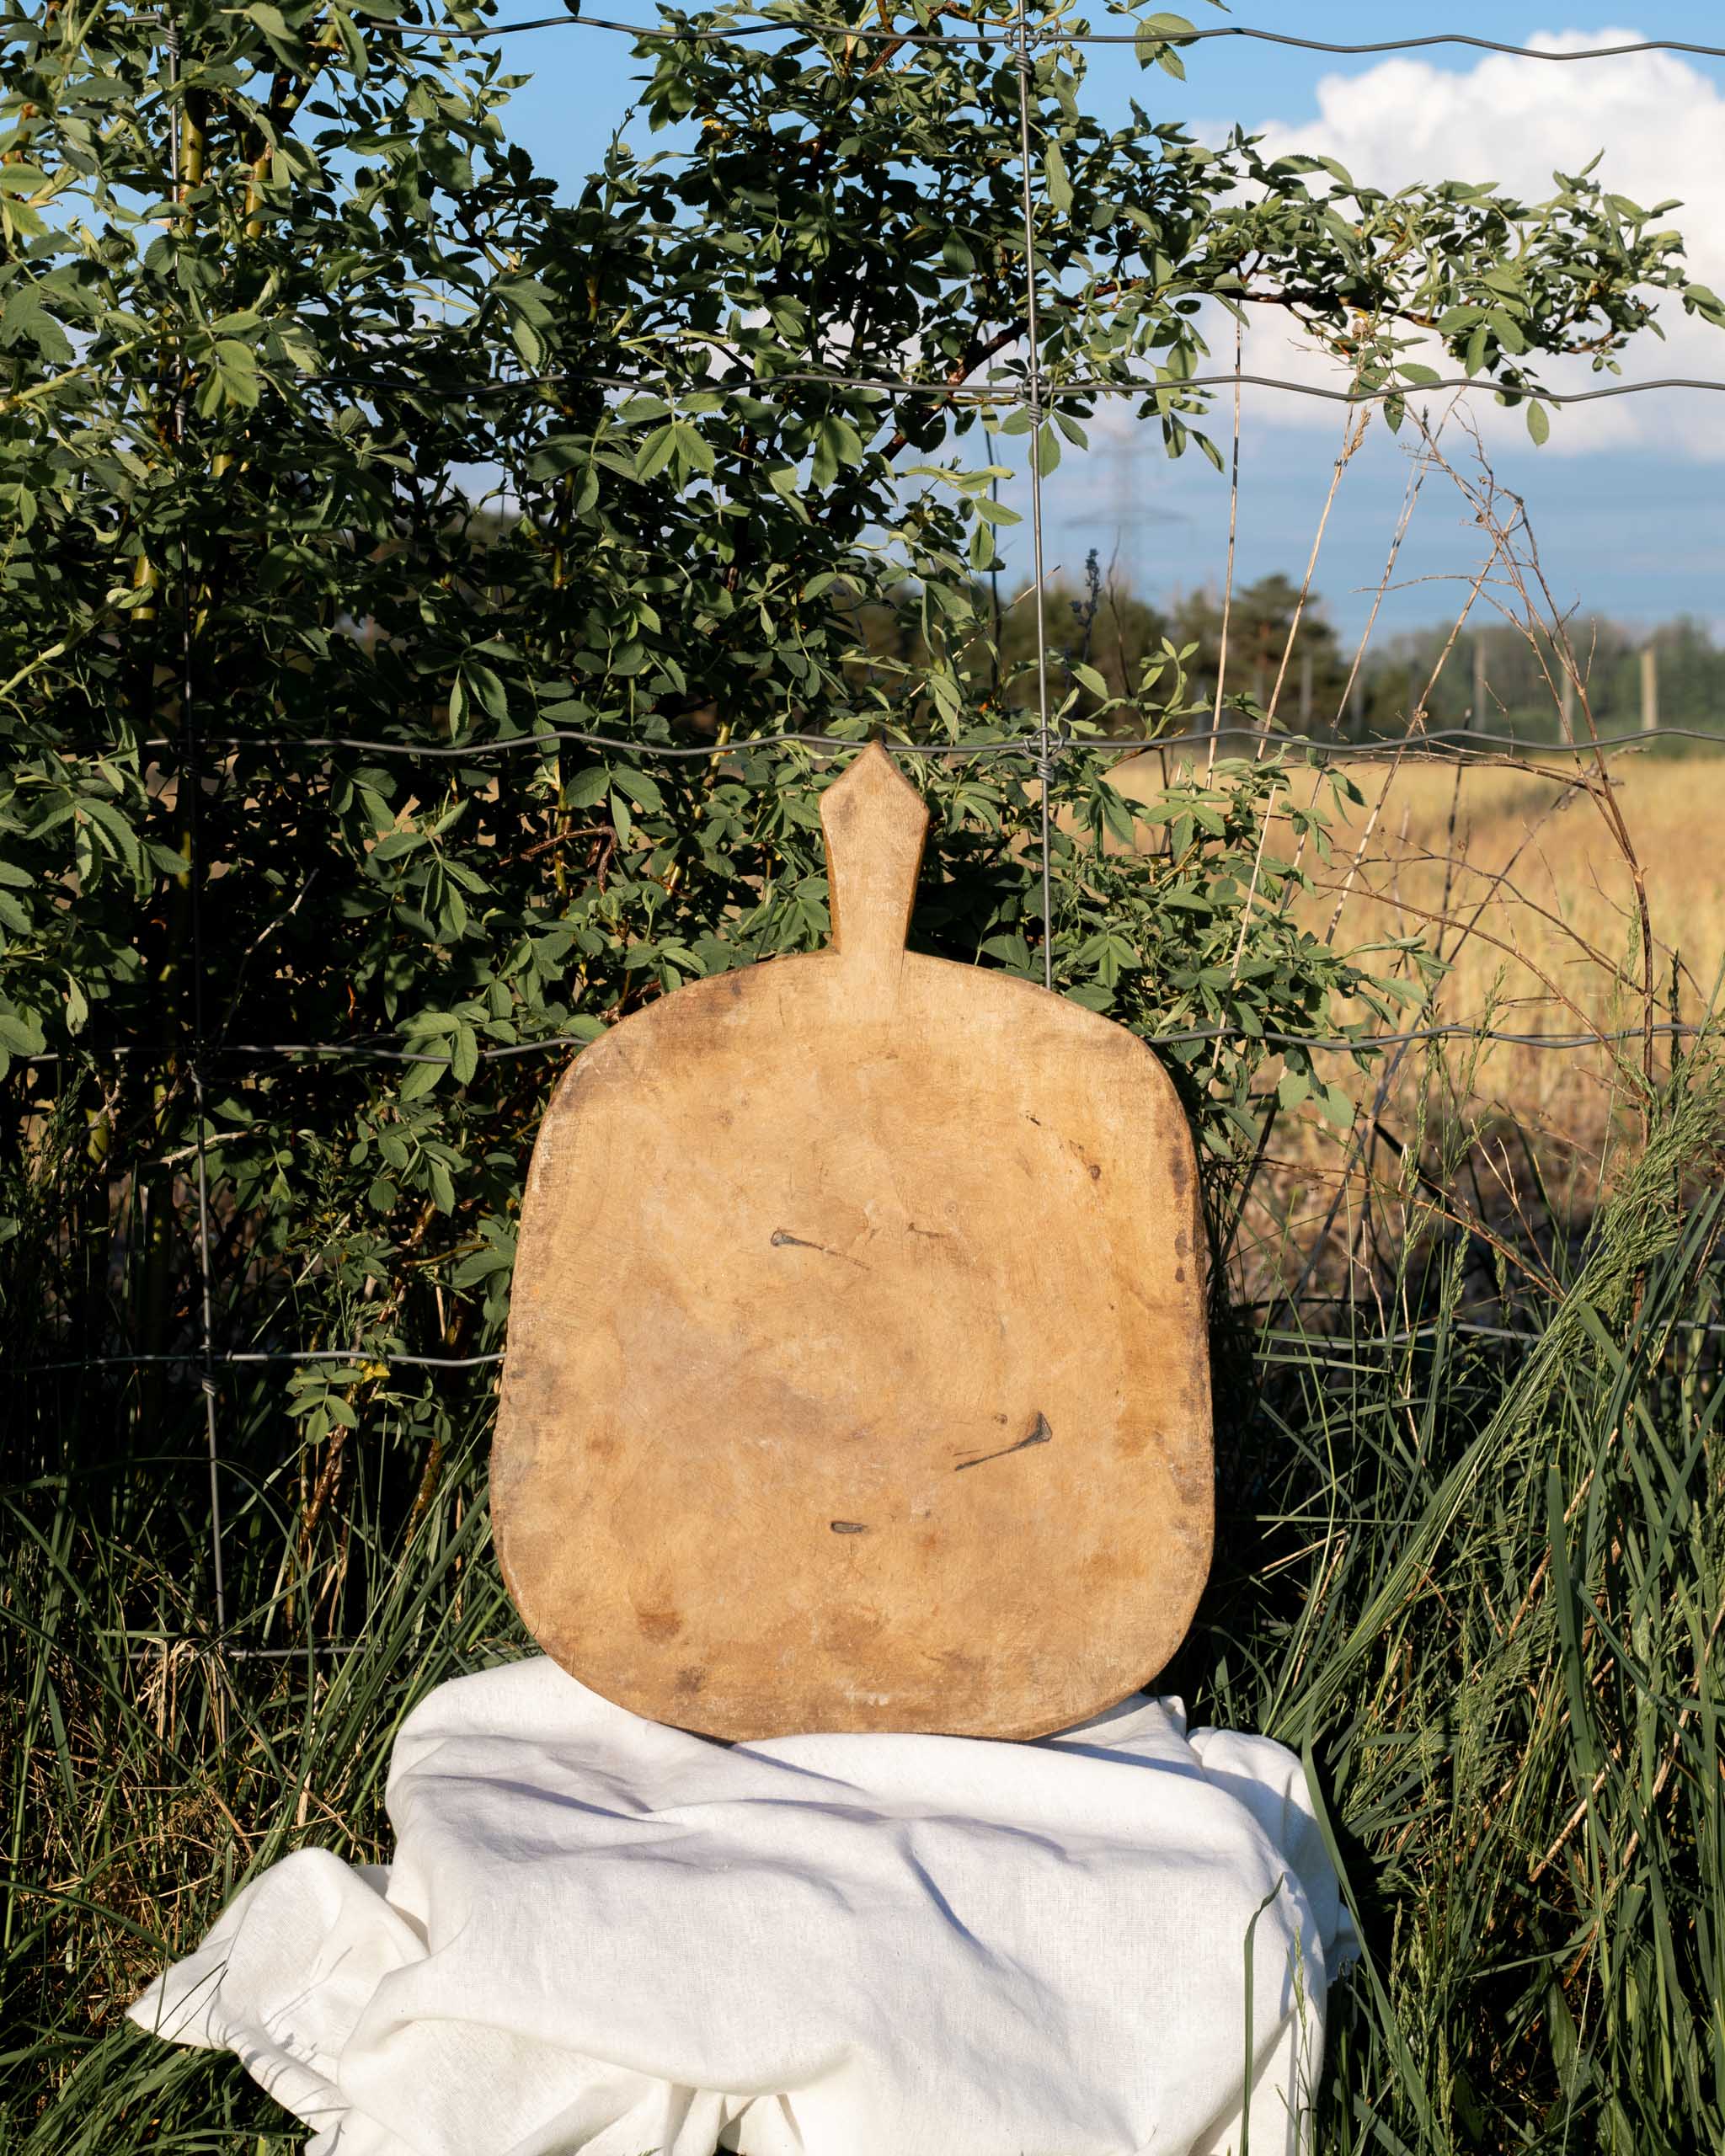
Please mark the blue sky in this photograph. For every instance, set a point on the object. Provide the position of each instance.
(1625, 502)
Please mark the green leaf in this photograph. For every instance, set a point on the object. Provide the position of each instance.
(25, 319)
(271, 20)
(656, 452)
(487, 688)
(836, 444)
(421, 1079)
(1011, 950)
(642, 791)
(21, 1031)
(694, 452)
(1335, 1105)
(1151, 46)
(1055, 179)
(353, 45)
(1539, 421)
(232, 377)
(122, 837)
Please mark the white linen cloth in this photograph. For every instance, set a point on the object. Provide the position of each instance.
(603, 1936)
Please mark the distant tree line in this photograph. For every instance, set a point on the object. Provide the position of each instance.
(1287, 663)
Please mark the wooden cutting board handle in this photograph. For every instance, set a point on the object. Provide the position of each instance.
(874, 825)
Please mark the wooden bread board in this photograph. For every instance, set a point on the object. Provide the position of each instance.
(856, 1374)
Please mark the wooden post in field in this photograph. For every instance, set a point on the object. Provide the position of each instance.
(1477, 716)
(1566, 704)
(1306, 690)
(1649, 689)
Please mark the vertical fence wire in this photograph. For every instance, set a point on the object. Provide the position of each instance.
(191, 780)
(1044, 763)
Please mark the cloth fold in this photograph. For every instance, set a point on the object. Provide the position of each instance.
(602, 1936)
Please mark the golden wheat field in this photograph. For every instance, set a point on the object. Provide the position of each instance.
(1523, 884)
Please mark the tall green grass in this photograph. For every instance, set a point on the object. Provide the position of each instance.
(1479, 1583)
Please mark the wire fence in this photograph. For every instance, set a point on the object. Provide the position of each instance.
(1177, 38)
(1030, 390)
(870, 32)
(1440, 744)
(1176, 1037)
(1314, 1348)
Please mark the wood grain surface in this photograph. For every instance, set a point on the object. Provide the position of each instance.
(856, 1374)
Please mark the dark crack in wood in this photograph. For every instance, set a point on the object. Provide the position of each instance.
(783, 1239)
(1039, 1434)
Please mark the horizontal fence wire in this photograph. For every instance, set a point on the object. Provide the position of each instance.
(1433, 1329)
(1438, 740)
(1445, 743)
(241, 1357)
(764, 388)
(1186, 1036)
(1177, 39)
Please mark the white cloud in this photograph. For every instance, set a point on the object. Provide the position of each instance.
(1661, 125)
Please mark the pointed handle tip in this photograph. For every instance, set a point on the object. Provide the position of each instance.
(874, 824)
